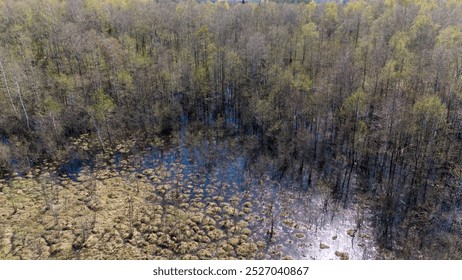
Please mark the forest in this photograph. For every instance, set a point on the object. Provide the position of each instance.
(359, 103)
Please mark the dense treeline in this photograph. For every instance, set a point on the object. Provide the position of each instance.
(364, 97)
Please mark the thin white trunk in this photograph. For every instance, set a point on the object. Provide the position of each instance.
(22, 104)
(98, 133)
(54, 125)
(8, 89)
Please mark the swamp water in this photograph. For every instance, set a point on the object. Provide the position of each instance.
(202, 201)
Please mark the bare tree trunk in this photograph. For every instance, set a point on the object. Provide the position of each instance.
(8, 89)
(107, 129)
(22, 104)
(98, 132)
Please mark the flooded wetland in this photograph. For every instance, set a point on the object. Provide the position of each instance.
(205, 129)
(174, 200)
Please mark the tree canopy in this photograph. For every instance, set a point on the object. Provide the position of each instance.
(361, 93)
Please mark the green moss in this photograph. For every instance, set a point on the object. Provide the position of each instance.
(166, 253)
(204, 254)
(246, 231)
(205, 239)
(226, 223)
(247, 250)
(189, 257)
(221, 253)
(288, 223)
(247, 210)
(234, 241)
(212, 210)
(216, 234)
(226, 246)
(342, 255)
(164, 241)
(152, 238)
(234, 200)
(230, 210)
(208, 221)
(261, 244)
(186, 247)
(242, 224)
(196, 217)
(218, 198)
(351, 232)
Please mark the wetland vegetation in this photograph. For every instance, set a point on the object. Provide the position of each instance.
(183, 130)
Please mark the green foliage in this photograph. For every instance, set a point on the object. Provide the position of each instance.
(450, 37)
(101, 105)
(429, 113)
(125, 79)
(355, 105)
(377, 82)
(51, 105)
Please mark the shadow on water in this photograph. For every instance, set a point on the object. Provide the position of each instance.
(304, 227)
(5, 140)
(73, 166)
(306, 224)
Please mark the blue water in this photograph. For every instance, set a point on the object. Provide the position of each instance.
(71, 168)
(5, 140)
(221, 168)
